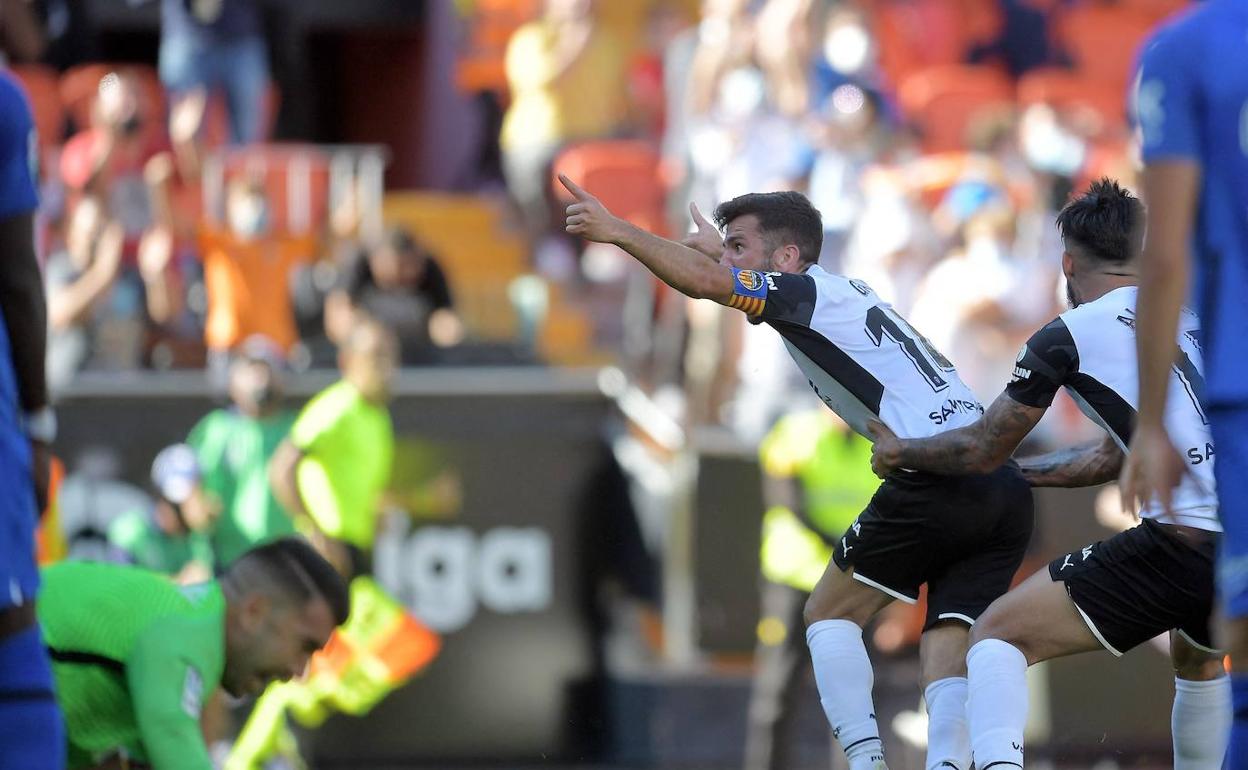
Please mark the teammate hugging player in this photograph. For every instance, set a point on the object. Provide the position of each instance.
(1115, 594)
(963, 535)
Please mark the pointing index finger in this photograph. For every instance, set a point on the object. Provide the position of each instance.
(572, 187)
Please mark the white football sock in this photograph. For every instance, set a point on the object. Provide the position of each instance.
(996, 703)
(1200, 723)
(844, 676)
(948, 737)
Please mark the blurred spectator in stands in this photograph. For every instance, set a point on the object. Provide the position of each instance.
(693, 64)
(98, 309)
(73, 36)
(170, 536)
(850, 134)
(234, 446)
(399, 283)
(1023, 39)
(566, 74)
(173, 177)
(847, 55)
(891, 244)
(963, 303)
(784, 52)
(106, 159)
(247, 269)
(333, 469)
(218, 44)
(22, 36)
(312, 284)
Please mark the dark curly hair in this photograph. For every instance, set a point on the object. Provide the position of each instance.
(1105, 223)
(783, 217)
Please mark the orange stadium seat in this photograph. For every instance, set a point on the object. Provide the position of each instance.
(1103, 40)
(943, 101)
(917, 35)
(40, 83)
(1158, 10)
(624, 174)
(78, 86)
(1065, 89)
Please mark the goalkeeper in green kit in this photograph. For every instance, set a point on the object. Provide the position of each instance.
(135, 656)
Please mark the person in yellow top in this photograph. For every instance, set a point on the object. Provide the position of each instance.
(334, 467)
(330, 473)
(566, 75)
(816, 480)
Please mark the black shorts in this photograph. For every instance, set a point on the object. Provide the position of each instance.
(1141, 583)
(964, 536)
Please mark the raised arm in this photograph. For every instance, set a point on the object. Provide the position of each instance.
(1169, 111)
(283, 479)
(689, 272)
(1086, 465)
(978, 448)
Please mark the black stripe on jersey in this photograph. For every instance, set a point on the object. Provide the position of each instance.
(860, 383)
(1114, 411)
(88, 659)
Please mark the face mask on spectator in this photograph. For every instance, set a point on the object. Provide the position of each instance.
(847, 48)
(1049, 147)
(249, 216)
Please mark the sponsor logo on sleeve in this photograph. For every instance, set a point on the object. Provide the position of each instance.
(192, 693)
(1020, 372)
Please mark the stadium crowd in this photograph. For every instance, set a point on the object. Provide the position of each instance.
(938, 139)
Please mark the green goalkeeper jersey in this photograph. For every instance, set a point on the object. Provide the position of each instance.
(134, 656)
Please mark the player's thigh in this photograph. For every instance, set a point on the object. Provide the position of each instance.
(1192, 660)
(1039, 618)
(838, 596)
(886, 554)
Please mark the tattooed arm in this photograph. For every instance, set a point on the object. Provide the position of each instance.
(1086, 465)
(978, 448)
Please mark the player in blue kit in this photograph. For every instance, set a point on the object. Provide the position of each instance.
(1192, 108)
(31, 734)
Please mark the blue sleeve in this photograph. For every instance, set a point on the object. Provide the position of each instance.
(1168, 96)
(780, 297)
(18, 151)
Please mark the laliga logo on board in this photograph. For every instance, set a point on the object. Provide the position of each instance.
(446, 575)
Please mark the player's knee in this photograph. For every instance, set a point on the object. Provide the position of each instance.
(995, 624)
(1194, 664)
(1199, 670)
(814, 610)
(830, 606)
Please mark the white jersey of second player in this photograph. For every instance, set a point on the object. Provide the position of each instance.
(1090, 351)
(862, 358)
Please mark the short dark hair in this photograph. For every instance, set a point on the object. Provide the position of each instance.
(1105, 223)
(401, 241)
(294, 568)
(784, 218)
